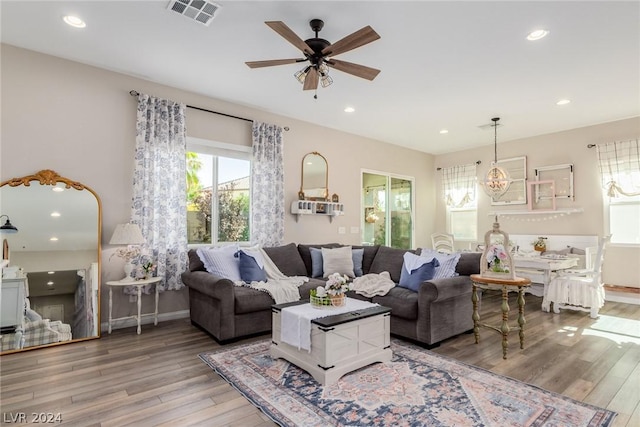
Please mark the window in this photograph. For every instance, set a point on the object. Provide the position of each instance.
(459, 192)
(218, 189)
(624, 225)
(619, 164)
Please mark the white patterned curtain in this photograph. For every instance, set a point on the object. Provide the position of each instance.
(267, 185)
(619, 164)
(459, 185)
(159, 186)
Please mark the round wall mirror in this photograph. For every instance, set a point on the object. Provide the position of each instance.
(51, 285)
(315, 176)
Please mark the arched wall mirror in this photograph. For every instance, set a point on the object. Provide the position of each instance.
(51, 286)
(315, 180)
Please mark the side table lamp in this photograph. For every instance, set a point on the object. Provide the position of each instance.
(130, 235)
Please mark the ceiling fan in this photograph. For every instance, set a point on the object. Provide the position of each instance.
(319, 53)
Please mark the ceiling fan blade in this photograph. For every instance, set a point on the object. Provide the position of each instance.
(286, 32)
(354, 69)
(359, 38)
(311, 80)
(272, 62)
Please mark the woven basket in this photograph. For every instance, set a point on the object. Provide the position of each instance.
(328, 303)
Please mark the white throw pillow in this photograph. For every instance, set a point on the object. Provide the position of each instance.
(448, 262)
(221, 261)
(337, 260)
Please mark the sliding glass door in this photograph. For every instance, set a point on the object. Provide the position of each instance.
(387, 214)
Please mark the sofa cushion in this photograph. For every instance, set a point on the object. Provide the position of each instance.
(337, 260)
(415, 270)
(389, 259)
(448, 262)
(249, 300)
(287, 259)
(403, 302)
(317, 262)
(221, 261)
(305, 254)
(469, 263)
(369, 253)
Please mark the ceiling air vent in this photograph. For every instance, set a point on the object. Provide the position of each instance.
(201, 11)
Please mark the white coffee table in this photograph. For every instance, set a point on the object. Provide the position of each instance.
(339, 344)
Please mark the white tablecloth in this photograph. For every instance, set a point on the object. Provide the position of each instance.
(295, 327)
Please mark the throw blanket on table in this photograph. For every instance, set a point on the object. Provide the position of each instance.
(280, 287)
(295, 327)
(371, 285)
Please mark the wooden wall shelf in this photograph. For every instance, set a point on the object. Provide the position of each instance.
(308, 207)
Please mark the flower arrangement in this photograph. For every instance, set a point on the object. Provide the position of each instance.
(148, 267)
(332, 293)
(540, 244)
(496, 255)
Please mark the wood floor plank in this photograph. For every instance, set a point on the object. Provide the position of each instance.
(156, 378)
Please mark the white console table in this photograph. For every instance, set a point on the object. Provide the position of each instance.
(139, 284)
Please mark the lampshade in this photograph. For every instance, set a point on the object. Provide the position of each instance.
(302, 74)
(8, 228)
(497, 181)
(127, 234)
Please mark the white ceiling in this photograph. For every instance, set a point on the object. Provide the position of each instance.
(445, 65)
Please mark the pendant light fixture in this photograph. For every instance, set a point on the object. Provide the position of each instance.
(497, 180)
(8, 228)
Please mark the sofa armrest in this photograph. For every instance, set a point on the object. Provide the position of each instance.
(442, 289)
(209, 284)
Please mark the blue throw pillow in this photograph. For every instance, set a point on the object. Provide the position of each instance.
(356, 256)
(412, 279)
(250, 270)
(317, 262)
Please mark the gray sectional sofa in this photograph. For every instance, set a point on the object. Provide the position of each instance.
(441, 308)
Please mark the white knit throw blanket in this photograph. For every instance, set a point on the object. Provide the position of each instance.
(281, 288)
(372, 284)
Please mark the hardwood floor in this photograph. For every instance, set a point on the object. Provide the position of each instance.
(156, 379)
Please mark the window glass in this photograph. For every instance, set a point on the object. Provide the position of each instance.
(624, 220)
(463, 223)
(218, 204)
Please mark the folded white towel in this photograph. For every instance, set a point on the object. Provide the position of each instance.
(295, 322)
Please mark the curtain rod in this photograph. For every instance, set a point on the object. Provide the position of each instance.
(478, 162)
(136, 93)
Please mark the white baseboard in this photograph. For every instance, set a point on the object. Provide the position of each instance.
(622, 297)
(129, 322)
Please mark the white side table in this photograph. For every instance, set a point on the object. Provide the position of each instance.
(138, 284)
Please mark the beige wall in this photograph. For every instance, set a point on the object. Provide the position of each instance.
(80, 121)
(621, 263)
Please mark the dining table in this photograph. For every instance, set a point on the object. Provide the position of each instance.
(532, 265)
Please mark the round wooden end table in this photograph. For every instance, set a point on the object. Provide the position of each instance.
(506, 285)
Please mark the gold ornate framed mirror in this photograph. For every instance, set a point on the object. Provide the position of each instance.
(315, 177)
(51, 287)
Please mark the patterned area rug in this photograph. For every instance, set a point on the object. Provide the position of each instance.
(417, 388)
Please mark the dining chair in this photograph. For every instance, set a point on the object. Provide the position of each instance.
(443, 242)
(581, 290)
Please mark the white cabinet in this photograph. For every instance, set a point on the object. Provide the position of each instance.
(13, 302)
(309, 207)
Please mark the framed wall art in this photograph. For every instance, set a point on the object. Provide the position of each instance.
(517, 192)
(562, 175)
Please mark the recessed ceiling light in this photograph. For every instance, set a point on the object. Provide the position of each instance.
(563, 102)
(50, 283)
(537, 34)
(74, 21)
(349, 109)
(55, 214)
(51, 272)
(57, 189)
(54, 239)
(443, 131)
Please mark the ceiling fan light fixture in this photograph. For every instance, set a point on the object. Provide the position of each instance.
(497, 180)
(301, 75)
(326, 80)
